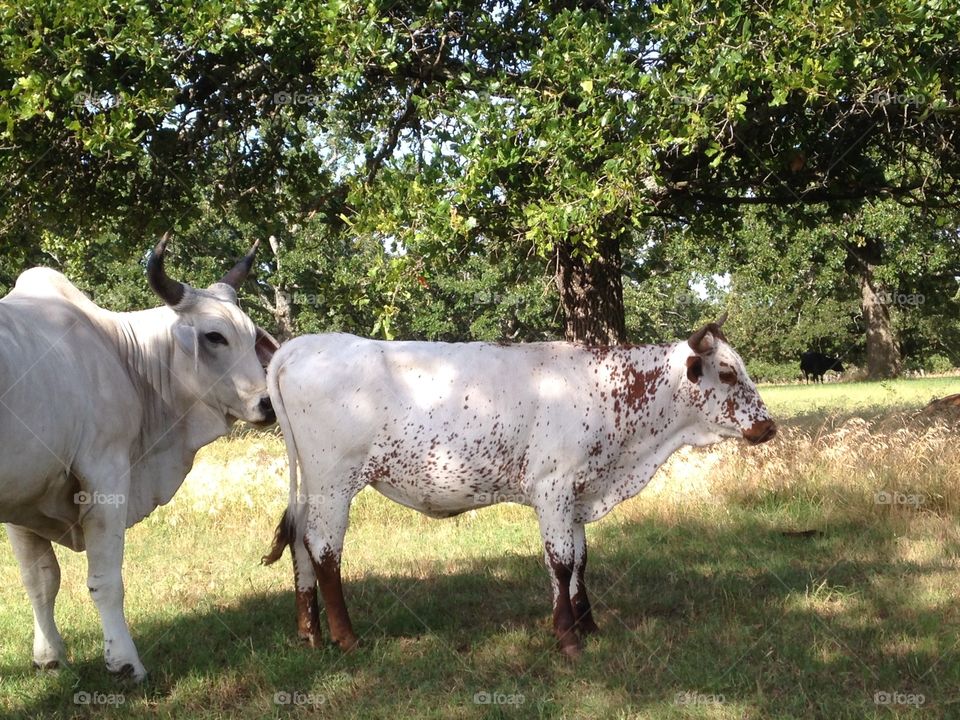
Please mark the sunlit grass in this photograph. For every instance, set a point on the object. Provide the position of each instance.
(746, 582)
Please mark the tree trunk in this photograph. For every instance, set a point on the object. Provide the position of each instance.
(591, 294)
(283, 315)
(883, 355)
(281, 307)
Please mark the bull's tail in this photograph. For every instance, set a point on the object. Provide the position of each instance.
(287, 528)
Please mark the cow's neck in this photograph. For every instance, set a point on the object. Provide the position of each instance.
(146, 345)
(663, 424)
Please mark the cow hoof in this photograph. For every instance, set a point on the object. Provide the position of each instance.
(588, 628)
(348, 644)
(312, 641)
(49, 665)
(571, 652)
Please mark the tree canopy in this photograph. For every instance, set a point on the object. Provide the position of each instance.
(503, 169)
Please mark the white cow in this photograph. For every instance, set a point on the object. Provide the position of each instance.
(442, 428)
(101, 414)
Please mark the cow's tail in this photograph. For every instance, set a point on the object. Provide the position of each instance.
(286, 531)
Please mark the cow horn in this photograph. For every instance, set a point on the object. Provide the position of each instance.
(238, 273)
(696, 340)
(169, 290)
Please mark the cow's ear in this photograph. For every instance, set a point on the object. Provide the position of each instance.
(266, 346)
(186, 337)
(694, 368)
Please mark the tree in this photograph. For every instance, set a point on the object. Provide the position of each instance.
(855, 284)
(491, 128)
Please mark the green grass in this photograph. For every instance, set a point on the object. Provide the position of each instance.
(855, 398)
(711, 604)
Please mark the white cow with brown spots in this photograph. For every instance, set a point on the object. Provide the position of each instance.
(443, 428)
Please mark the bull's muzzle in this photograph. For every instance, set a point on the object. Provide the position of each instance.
(269, 415)
(760, 432)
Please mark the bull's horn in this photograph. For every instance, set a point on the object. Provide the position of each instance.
(238, 273)
(722, 319)
(169, 290)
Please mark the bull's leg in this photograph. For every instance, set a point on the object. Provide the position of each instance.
(326, 528)
(582, 613)
(556, 529)
(41, 577)
(104, 523)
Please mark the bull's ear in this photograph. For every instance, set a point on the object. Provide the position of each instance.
(694, 368)
(266, 346)
(186, 337)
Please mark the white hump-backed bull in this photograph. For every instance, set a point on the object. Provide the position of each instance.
(101, 414)
(442, 428)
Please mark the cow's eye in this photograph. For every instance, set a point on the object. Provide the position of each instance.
(728, 376)
(215, 338)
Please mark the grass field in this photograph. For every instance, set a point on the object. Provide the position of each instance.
(813, 577)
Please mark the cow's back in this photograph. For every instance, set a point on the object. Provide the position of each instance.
(431, 425)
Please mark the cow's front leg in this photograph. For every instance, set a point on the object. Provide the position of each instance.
(104, 522)
(326, 527)
(582, 612)
(41, 577)
(556, 528)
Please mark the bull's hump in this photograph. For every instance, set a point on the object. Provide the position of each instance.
(45, 283)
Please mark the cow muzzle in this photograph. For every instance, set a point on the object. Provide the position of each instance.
(760, 432)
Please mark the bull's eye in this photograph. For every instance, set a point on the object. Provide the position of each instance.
(215, 338)
(728, 376)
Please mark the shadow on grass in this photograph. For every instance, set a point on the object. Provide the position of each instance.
(735, 615)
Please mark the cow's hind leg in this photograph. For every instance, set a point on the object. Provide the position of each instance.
(582, 612)
(556, 529)
(304, 578)
(326, 528)
(41, 577)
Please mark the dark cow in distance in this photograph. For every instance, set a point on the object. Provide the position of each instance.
(816, 364)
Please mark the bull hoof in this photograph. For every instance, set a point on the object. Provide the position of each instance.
(128, 672)
(49, 665)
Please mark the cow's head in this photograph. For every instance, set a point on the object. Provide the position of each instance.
(219, 354)
(723, 396)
